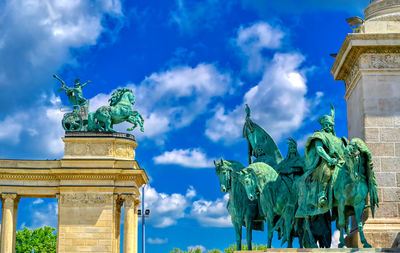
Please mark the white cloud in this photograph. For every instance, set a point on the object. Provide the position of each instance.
(200, 247)
(254, 39)
(36, 40)
(157, 240)
(42, 123)
(278, 102)
(37, 201)
(45, 216)
(212, 213)
(192, 158)
(165, 208)
(335, 239)
(172, 99)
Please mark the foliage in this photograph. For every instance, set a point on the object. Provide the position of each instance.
(231, 249)
(42, 240)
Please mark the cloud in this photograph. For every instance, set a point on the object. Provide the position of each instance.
(157, 240)
(212, 213)
(278, 102)
(200, 247)
(192, 158)
(37, 38)
(37, 201)
(165, 208)
(173, 99)
(41, 124)
(45, 216)
(254, 39)
(335, 239)
(190, 15)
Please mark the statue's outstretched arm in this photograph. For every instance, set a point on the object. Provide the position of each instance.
(83, 85)
(321, 151)
(59, 79)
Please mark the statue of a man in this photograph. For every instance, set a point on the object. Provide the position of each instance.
(323, 151)
(293, 165)
(75, 95)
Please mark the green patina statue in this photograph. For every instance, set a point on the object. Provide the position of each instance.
(103, 119)
(300, 196)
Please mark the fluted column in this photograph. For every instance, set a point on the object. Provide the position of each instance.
(130, 227)
(7, 226)
(16, 202)
(117, 229)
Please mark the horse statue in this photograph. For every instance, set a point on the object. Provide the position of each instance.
(243, 211)
(354, 181)
(351, 182)
(119, 110)
(273, 191)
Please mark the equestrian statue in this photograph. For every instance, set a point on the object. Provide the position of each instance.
(300, 196)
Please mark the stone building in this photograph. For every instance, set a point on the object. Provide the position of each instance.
(369, 64)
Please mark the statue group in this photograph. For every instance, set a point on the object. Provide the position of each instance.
(78, 117)
(299, 196)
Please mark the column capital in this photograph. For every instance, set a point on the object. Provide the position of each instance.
(129, 200)
(9, 195)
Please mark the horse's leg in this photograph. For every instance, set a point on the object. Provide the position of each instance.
(238, 230)
(310, 235)
(290, 241)
(359, 211)
(132, 120)
(270, 227)
(341, 222)
(108, 123)
(249, 228)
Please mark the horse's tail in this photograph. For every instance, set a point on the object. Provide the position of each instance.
(372, 188)
(91, 122)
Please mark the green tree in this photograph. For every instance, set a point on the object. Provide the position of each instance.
(43, 240)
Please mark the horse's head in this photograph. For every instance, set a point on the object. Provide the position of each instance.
(246, 178)
(352, 156)
(122, 96)
(224, 172)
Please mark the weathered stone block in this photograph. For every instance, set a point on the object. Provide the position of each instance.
(390, 134)
(398, 179)
(387, 210)
(372, 134)
(381, 149)
(386, 179)
(377, 163)
(391, 194)
(388, 105)
(390, 164)
(378, 121)
(397, 149)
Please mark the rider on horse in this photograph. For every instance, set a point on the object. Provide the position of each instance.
(323, 152)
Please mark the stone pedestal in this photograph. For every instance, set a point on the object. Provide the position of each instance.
(96, 176)
(369, 63)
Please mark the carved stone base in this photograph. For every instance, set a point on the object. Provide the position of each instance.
(87, 145)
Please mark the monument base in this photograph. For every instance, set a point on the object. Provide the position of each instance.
(378, 232)
(292, 250)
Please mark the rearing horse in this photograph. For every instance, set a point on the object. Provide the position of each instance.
(119, 110)
(243, 211)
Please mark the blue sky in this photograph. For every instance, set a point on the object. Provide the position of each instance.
(192, 65)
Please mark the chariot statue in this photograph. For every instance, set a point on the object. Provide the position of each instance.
(78, 117)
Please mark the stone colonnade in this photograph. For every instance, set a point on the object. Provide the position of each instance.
(96, 177)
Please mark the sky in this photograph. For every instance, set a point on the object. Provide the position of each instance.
(193, 65)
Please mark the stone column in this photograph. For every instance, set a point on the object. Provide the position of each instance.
(7, 225)
(117, 228)
(368, 62)
(130, 225)
(16, 202)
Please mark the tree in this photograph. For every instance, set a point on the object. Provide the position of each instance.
(42, 240)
